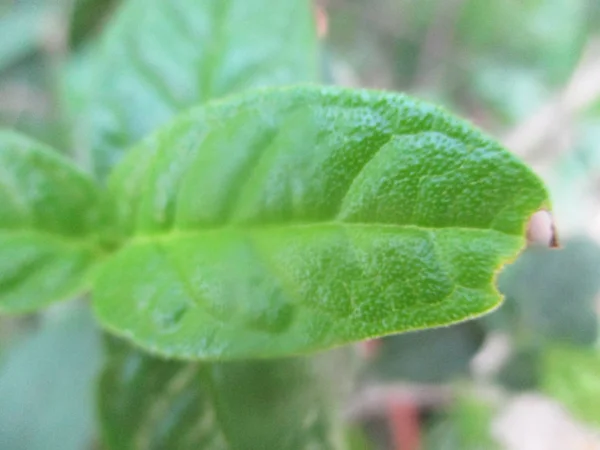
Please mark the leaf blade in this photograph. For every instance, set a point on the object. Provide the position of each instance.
(49, 213)
(358, 214)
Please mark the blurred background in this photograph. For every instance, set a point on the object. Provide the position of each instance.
(524, 377)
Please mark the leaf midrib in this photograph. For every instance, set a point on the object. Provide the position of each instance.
(87, 243)
(173, 234)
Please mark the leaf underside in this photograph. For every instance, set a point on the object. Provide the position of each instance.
(293, 220)
(49, 213)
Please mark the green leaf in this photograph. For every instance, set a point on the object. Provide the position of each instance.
(158, 57)
(572, 376)
(293, 220)
(147, 403)
(49, 214)
(47, 385)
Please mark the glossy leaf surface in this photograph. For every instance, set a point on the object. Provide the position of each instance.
(49, 214)
(148, 403)
(158, 57)
(294, 220)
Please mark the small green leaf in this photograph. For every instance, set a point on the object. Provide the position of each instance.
(572, 376)
(49, 213)
(158, 57)
(293, 220)
(147, 403)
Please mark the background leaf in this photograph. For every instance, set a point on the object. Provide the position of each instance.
(49, 220)
(332, 216)
(157, 58)
(47, 385)
(147, 403)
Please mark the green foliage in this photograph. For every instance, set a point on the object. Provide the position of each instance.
(46, 385)
(572, 376)
(147, 404)
(157, 58)
(334, 216)
(50, 215)
(279, 222)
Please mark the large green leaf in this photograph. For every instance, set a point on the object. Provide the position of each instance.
(47, 385)
(147, 403)
(293, 220)
(49, 215)
(158, 57)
